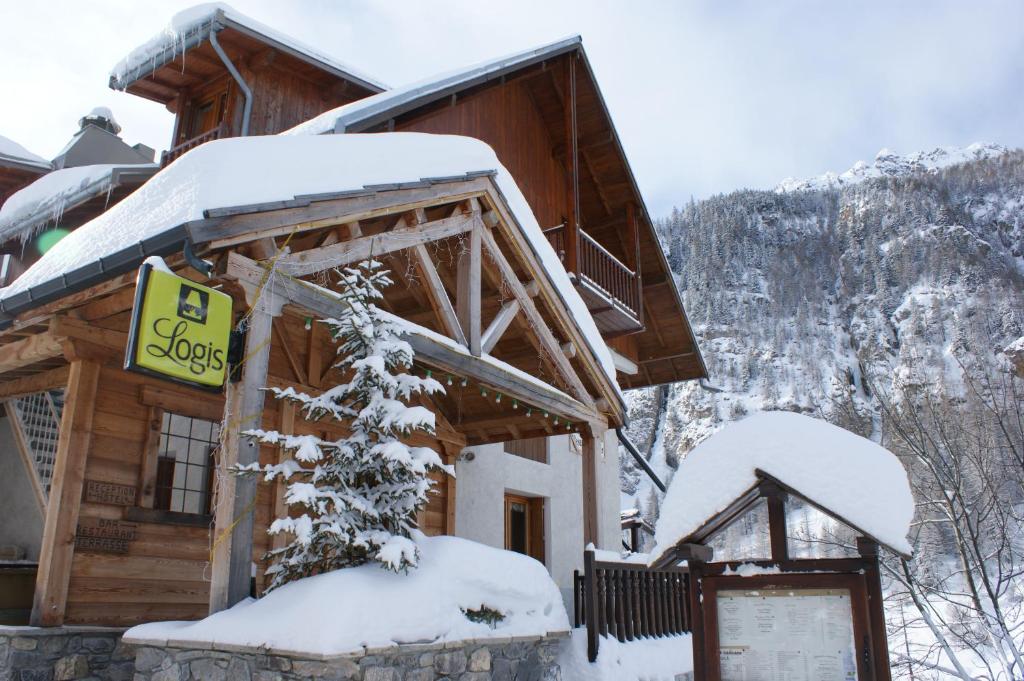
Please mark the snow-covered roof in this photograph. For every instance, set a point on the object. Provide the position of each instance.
(11, 151)
(424, 606)
(890, 164)
(844, 474)
(193, 25)
(44, 201)
(357, 115)
(250, 170)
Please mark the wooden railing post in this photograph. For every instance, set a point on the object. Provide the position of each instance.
(590, 606)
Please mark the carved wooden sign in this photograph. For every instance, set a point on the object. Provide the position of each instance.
(102, 535)
(98, 492)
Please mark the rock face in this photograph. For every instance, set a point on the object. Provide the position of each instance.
(822, 296)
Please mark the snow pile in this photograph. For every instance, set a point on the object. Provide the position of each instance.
(48, 196)
(241, 171)
(833, 468)
(102, 113)
(340, 117)
(889, 164)
(367, 607)
(655, 659)
(196, 22)
(12, 150)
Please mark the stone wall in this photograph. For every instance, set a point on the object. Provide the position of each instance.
(65, 654)
(498, 659)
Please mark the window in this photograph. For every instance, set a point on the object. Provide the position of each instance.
(524, 525)
(535, 449)
(184, 473)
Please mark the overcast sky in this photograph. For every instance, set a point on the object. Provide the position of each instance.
(707, 97)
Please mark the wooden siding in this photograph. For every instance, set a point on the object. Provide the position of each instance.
(506, 118)
(165, 572)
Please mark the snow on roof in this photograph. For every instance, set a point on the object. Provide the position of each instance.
(45, 200)
(833, 468)
(9, 149)
(423, 606)
(196, 22)
(346, 116)
(889, 164)
(249, 170)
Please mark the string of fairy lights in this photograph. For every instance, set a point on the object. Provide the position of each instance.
(453, 380)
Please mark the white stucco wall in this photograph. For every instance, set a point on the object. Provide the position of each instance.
(481, 485)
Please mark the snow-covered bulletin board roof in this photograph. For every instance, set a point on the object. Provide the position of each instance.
(193, 25)
(348, 610)
(842, 473)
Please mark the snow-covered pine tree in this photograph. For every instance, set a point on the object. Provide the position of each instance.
(357, 497)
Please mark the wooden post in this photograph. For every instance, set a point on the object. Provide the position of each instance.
(572, 166)
(776, 521)
(634, 261)
(868, 550)
(590, 605)
(697, 620)
(468, 294)
(233, 520)
(287, 427)
(58, 546)
(590, 528)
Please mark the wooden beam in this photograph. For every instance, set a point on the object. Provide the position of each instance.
(233, 522)
(285, 427)
(499, 325)
(37, 348)
(468, 290)
(229, 230)
(323, 303)
(589, 485)
(58, 545)
(46, 380)
(289, 354)
(572, 167)
(540, 327)
(348, 252)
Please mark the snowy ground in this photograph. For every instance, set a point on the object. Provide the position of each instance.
(660, 659)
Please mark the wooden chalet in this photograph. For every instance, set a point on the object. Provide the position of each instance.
(127, 472)
(18, 168)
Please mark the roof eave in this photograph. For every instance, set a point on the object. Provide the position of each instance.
(220, 22)
(362, 120)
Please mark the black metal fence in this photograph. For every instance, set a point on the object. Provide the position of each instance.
(629, 601)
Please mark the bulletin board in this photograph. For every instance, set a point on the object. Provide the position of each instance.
(799, 628)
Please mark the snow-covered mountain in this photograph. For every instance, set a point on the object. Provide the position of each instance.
(818, 296)
(889, 164)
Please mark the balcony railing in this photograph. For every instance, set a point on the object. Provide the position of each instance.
(629, 601)
(599, 269)
(208, 136)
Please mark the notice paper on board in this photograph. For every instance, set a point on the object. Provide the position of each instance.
(791, 634)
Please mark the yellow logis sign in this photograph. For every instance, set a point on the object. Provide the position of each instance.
(180, 329)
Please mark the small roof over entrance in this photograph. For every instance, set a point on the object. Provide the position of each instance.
(844, 475)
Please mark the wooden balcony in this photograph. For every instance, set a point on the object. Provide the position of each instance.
(610, 289)
(208, 136)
